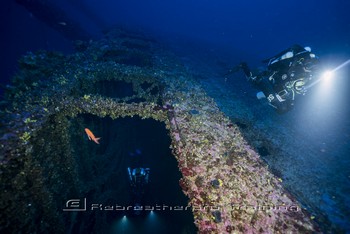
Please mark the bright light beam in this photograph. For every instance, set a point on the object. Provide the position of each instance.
(328, 74)
(124, 219)
(341, 66)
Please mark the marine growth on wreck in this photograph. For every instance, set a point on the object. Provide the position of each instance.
(230, 189)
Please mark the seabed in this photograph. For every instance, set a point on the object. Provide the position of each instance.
(230, 188)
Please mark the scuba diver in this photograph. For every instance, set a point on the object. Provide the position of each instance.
(286, 76)
(139, 178)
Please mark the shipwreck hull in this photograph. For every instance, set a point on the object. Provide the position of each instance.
(230, 189)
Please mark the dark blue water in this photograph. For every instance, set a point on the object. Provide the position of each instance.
(309, 146)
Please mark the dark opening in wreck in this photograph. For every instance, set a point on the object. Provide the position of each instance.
(125, 91)
(103, 177)
(114, 88)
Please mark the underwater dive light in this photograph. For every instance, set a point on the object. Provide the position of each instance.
(328, 74)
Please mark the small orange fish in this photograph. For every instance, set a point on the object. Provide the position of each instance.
(92, 136)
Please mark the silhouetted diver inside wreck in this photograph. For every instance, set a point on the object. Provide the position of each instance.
(128, 142)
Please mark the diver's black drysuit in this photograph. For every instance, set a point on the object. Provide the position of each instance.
(287, 74)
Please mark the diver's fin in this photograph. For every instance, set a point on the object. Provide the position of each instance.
(260, 95)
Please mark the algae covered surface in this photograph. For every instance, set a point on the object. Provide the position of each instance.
(230, 189)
